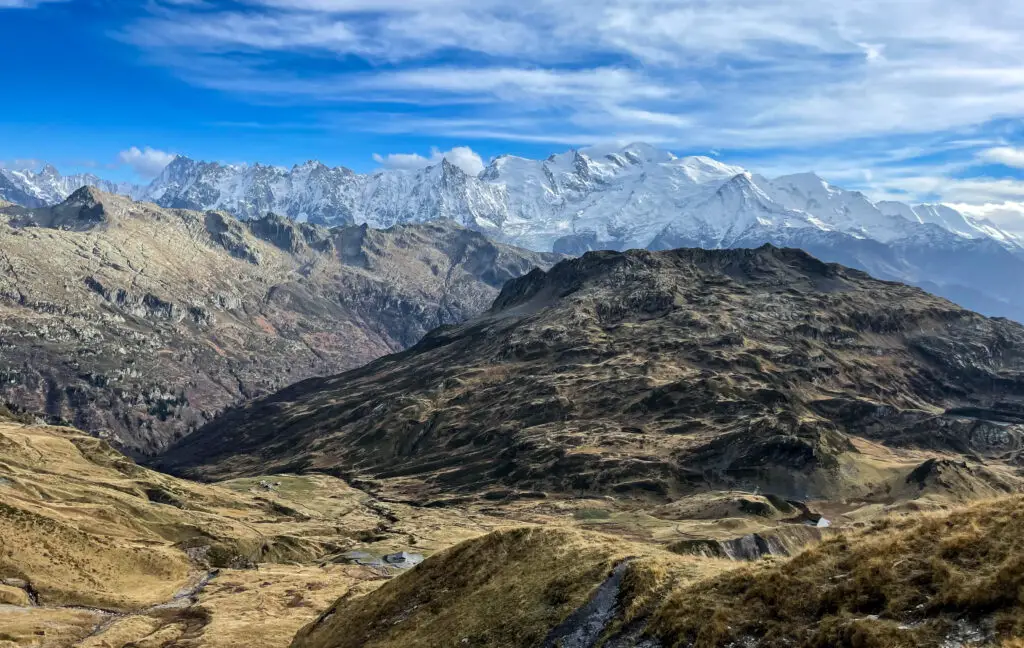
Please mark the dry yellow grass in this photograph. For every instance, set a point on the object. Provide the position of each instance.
(912, 581)
(38, 627)
(84, 526)
(265, 608)
(509, 588)
(951, 578)
(242, 609)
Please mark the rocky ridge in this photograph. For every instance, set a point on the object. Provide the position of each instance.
(141, 323)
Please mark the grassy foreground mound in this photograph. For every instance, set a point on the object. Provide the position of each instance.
(936, 579)
(520, 587)
(932, 579)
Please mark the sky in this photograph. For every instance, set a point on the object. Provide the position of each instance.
(915, 100)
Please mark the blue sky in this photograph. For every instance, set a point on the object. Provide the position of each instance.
(912, 99)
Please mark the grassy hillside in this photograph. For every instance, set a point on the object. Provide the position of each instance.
(98, 552)
(510, 588)
(928, 579)
(95, 548)
(925, 580)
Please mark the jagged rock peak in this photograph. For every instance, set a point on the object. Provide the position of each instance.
(84, 209)
(86, 196)
(288, 235)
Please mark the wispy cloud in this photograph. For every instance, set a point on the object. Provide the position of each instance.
(22, 164)
(461, 156)
(1008, 215)
(826, 83)
(24, 4)
(1006, 155)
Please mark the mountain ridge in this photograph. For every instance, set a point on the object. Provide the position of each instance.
(636, 196)
(138, 322)
(651, 374)
(189, 183)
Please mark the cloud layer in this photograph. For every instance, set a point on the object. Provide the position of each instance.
(461, 156)
(728, 73)
(1005, 155)
(146, 163)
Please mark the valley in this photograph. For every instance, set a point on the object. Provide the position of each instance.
(140, 324)
(633, 449)
(532, 324)
(655, 375)
(99, 552)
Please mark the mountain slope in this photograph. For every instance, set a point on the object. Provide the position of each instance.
(634, 197)
(142, 323)
(654, 374)
(99, 552)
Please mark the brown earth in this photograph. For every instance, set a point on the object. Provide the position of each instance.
(660, 375)
(631, 450)
(98, 550)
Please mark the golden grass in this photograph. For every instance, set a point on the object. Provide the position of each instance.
(509, 588)
(85, 526)
(242, 609)
(25, 626)
(902, 582)
(265, 608)
(504, 589)
(912, 580)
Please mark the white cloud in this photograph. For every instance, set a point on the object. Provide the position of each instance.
(898, 98)
(1008, 215)
(461, 156)
(147, 162)
(1006, 155)
(730, 73)
(22, 164)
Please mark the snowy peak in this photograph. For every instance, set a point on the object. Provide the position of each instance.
(640, 153)
(949, 219)
(48, 187)
(612, 197)
(702, 169)
(832, 208)
(808, 183)
(307, 192)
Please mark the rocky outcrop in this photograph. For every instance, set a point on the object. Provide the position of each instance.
(140, 324)
(784, 541)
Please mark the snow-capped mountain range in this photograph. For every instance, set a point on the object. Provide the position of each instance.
(48, 187)
(634, 197)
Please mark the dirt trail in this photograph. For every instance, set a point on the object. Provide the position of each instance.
(184, 598)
